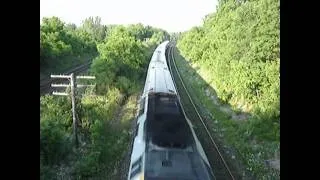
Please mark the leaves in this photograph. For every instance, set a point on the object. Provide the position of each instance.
(240, 45)
(58, 40)
(124, 55)
(93, 26)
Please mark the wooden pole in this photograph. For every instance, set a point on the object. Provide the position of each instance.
(73, 99)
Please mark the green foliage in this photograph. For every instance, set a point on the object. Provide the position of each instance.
(105, 72)
(55, 134)
(46, 172)
(124, 53)
(175, 36)
(102, 106)
(54, 142)
(255, 139)
(138, 31)
(51, 25)
(122, 49)
(94, 28)
(148, 34)
(58, 41)
(123, 58)
(55, 109)
(192, 42)
(238, 51)
(123, 83)
(55, 123)
(86, 166)
(107, 141)
(240, 46)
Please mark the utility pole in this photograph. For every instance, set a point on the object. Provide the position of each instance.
(73, 101)
(73, 84)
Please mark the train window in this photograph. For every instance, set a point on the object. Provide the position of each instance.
(167, 101)
(137, 128)
(136, 167)
(145, 128)
(163, 99)
(141, 108)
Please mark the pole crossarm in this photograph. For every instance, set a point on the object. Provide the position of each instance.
(86, 77)
(82, 85)
(60, 93)
(60, 85)
(60, 76)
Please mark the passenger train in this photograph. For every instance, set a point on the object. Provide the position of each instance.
(165, 145)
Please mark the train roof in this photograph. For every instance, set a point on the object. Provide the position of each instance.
(158, 76)
(177, 165)
(159, 79)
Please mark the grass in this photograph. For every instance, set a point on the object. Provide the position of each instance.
(126, 118)
(129, 111)
(251, 150)
(110, 139)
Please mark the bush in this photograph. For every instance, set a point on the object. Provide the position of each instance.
(54, 142)
(103, 150)
(55, 129)
(47, 172)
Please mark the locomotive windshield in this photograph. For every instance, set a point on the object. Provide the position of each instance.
(166, 124)
(167, 105)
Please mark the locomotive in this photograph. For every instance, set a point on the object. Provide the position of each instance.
(165, 145)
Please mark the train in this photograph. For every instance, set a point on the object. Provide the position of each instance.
(165, 145)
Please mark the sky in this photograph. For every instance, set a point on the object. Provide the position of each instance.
(170, 15)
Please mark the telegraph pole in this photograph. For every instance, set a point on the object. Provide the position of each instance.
(73, 84)
(73, 101)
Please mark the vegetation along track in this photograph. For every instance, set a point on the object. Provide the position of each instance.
(220, 167)
(45, 84)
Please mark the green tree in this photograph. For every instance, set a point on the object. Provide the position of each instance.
(58, 41)
(93, 26)
(138, 31)
(51, 25)
(120, 55)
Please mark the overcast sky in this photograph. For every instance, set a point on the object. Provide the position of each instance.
(171, 15)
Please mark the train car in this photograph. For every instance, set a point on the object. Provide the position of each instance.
(165, 145)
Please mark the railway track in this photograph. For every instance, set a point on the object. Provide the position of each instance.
(220, 167)
(45, 84)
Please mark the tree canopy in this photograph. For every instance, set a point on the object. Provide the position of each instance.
(58, 40)
(124, 53)
(240, 46)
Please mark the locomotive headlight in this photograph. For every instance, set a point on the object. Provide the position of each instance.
(139, 176)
